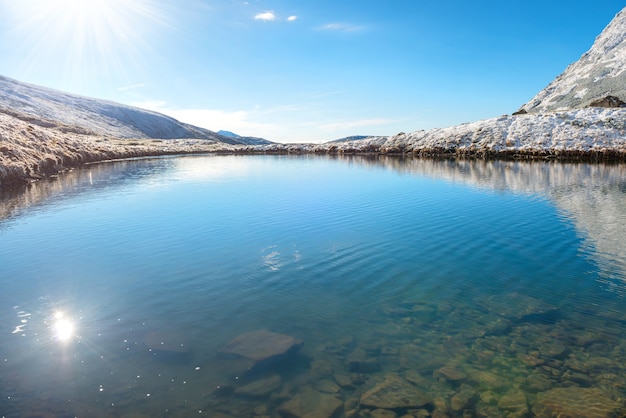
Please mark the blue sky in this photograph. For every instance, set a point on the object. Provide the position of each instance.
(302, 71)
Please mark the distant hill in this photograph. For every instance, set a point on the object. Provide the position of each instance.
(249, 140)
(100, 117)
(598, 78)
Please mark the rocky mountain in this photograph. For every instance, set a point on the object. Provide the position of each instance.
(598, 78)
(99, 117)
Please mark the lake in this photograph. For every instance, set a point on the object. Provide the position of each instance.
(277, 286)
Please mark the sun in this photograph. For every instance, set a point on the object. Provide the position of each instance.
(82, 36)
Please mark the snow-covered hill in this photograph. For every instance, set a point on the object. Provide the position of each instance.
(600, 72)
(98, 116)
(579, 114)
(251, 140)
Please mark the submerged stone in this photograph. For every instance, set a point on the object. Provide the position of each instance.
(394, 393)
(576, 402)
(261, 345)
(359, 361)
(383, 413)
(449, 372)
(261, 387)
(310, 403)
(327, 386)
(514, 402)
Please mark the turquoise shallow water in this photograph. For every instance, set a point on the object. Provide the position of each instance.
(488, 288)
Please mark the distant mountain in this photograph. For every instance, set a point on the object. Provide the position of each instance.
(249, 140)
(98, 116)
(228, 134)
(598, 78)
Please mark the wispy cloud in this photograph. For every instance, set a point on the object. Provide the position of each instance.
(341, 27)
(266, 16)
(328, 93)
(292, 18)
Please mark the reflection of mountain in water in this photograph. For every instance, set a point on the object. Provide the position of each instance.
(88, 179)
(593, 196)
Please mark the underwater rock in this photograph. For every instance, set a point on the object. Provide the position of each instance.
(449, 372)
(321, 369)
(576, 402)
(514, 306)
(394, 393)
(530, 360)
(343, 380)
(538, 382)
(417, 379)
(382, 413)
(261, 345)
(552, 349)
(515, 403)
(488, 380)
(260, 388)
(310, 403)
(359, 361)
(462, 399)
(327, 386)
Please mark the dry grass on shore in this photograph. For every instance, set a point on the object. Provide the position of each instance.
(31, 149)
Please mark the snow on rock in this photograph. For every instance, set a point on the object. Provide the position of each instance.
(598, 73)
(577, 132)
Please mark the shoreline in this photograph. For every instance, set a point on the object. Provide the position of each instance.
(33, 149)
(51, 167)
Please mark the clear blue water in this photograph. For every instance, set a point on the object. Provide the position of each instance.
(483, 279)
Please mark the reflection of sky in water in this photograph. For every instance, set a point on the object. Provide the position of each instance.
(145, 284)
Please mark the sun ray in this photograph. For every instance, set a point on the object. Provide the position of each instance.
(101, 37)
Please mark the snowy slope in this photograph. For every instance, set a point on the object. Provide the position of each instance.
(598, 73)
(98, 116)
(558, 122)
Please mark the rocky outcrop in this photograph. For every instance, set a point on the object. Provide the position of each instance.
(597, 74)
(608, 101)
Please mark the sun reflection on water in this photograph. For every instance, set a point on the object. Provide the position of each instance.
(63, 327)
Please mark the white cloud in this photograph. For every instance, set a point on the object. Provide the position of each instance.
(240, 122)
(266, 16)
(343, 27)
(292, 18)
(285, 123)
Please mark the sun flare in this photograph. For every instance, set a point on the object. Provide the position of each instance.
(83, 35)
(63, 328)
